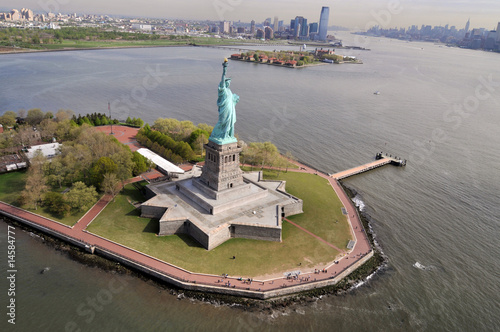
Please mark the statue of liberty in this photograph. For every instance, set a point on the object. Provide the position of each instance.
(223, 132)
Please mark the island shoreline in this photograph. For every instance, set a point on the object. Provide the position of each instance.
(359, 276)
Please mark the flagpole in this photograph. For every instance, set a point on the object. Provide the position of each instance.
(110, 118)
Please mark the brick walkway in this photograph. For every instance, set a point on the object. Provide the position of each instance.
(78, 233)
(124, 134)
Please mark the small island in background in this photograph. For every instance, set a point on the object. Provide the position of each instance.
(294, 59)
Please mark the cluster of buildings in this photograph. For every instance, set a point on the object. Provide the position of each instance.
(16, 15)
(27, 15)
(467, 38)
(298, 28)
(488, 40)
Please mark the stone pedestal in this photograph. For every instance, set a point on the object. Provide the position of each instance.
(222, 166)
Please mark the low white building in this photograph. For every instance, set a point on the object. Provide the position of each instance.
(49, 150)
(163, 164)
(146, 27)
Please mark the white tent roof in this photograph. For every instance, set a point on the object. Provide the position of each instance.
(48, 150)
(160, 161)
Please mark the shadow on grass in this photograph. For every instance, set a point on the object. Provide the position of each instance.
(189, 241)
(151, 227)
(132, 193)
(134, 212)
(51, 215)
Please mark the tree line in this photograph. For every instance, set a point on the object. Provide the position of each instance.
(91, 163)
(265, 155)
(29, 38)
(49, 125)
(177, 141)
(175, 151)
(94, 119)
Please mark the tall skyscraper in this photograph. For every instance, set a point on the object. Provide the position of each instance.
(297, 30)
(224, 26)
(269, 34)
(297, 26)
(304, 30)
(498, 32)
(301, 27)
(275, 25)
(313, 28)
(323, 23)
(260, 34)
(467, 26)
(252, 27)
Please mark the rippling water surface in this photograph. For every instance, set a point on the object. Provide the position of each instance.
(441, 210)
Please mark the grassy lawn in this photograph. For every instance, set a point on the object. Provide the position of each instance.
(11, 186)
(69, 220)
(121, 222)
(322, 208)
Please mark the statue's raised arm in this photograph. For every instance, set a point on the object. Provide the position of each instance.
(223, 79)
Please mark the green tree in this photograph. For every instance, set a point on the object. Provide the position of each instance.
(197, 139)
(81, 197)
(110, 185)
(63, 115)
(261, 153)
(35, 39)
(138, 122)
(35, 185)
(205, 127)
(102, 166)
(35, 116)
(8, 119)
(24, 136)
(125, 166)
(54, 172)
(140, 163)
(47, 129)
(56, 204)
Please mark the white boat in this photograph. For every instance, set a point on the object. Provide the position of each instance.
(419, 266)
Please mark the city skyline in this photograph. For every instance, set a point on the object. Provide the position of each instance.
(359, 15)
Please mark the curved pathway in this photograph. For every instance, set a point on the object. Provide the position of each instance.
(77, 232)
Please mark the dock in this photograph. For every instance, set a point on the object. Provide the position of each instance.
(381, 160)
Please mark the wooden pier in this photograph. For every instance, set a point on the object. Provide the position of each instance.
(381, 160)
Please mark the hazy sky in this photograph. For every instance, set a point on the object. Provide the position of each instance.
(350, 13)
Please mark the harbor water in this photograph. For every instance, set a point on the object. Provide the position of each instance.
(436, 220)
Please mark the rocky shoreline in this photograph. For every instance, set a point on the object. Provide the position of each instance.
(357, 277)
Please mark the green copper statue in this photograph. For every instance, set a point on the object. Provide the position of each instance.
(223, 132)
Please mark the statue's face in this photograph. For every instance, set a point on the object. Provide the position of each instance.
(228, 83)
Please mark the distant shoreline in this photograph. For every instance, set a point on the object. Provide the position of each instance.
(29, 50)
(284, 66)
(12, 50)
